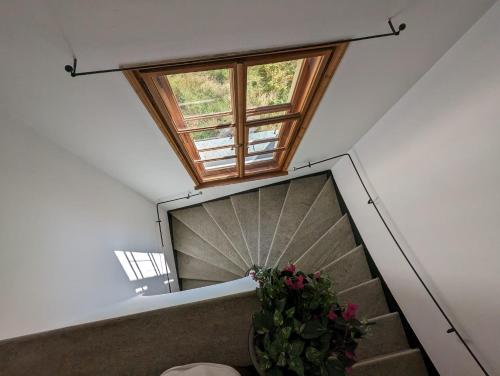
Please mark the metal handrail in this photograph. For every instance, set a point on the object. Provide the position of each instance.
(158, 220)
(452, 328)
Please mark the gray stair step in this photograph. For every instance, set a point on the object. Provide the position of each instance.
(188, 242)
(349, 270)
(385, 337)
(192, 268)
(200, 222)
(323, 214)
(246, 206)
(271, 201)
(222, 212)
(334, 243)
(301, 194)
(403, 363)
(189, 284)
(369, 296)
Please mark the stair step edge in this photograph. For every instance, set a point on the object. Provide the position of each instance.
(303, 220)
(366, 283)
(383, 357)
(321, 238)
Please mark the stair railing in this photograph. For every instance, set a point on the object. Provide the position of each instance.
(452, 328)
(158, 220)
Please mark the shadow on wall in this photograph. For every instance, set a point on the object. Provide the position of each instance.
(147, 271)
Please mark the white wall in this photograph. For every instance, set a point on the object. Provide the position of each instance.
(433, 162)
(60, 221)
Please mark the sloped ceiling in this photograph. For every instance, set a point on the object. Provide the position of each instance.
(100, 119)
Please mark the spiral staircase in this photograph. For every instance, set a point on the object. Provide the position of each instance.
(298, 221)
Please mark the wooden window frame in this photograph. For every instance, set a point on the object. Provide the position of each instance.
(313, 79)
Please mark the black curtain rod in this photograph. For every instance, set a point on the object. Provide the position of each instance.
(189, 195)
(71, 69)
(452, 328)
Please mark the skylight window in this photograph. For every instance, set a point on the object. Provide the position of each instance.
(233, 119)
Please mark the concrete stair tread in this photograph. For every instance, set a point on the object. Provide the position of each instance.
(188, 242)
(322, 215)
(334, 243)
(301, 194)
(193, 268)
(402, 363)
(223, 214)
(200, 222)
(385, 336)
(369, 296)
(246, 207)
(349, 270)
(190, 284)
(271, 201)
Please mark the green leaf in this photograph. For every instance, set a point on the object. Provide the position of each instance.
(285, 333)
(262, 322)
(290, 312)
(313, 329)
(314, 355)
(298, 326)
(296, 365)
(280, 304)
(275, 349)
(281, 360)
(296, 348)
(335, 367)
(264, 361)
(277, 318)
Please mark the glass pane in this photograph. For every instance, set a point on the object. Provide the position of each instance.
(201, 93)
(259, 158)
(217, 153)
(262, 146)
(223, 163)
(212, 138)
(264, 131)
(208, 121)
(266, 116)
(271, 84)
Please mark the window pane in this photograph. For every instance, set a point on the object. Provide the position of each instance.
(271, 84)
(208, 121)
(212, 138)
(259, 158)
(200, 93)
(264, 131)
(262, 146)
(223, 163)
(217, 153)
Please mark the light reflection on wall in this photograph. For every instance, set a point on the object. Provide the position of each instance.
(141, 265)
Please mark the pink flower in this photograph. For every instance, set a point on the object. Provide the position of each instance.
(350, 311)
(290, 268)
(252, 274)
(349, 355)
(289, 283)
(331, 315)
(299, 283)
(317, 275)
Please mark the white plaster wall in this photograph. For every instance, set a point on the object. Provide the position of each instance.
(60, 221)
(432, 161)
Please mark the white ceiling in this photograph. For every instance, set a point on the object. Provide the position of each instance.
(100, 119)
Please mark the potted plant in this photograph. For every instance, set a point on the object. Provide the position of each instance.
(301, 329)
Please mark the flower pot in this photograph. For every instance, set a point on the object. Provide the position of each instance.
(253, 354)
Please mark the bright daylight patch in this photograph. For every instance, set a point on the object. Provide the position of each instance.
(141, 265)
